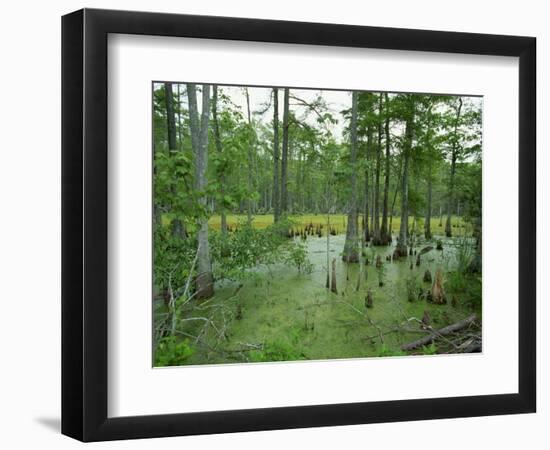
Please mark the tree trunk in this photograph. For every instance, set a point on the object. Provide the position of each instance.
(428, 222)
(376, 231)
(276, 195)
(284, 160)
(454, 156)
(448, 225)
(333, 286)
(385, 234)
(179, 121)
(250, 160)
(218, 141)
(178, 230)
(428, 219)
(199, 136)
(401, 248)
(366, 229)
(328, 242)
(157, 208)
(397, 186)
(350, 247)
(170, 117)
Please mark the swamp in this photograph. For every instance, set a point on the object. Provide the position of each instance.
(305, 224)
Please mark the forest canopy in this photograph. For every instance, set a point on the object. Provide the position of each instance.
(283, 216)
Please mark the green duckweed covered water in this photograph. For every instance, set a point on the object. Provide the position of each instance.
(278, 313)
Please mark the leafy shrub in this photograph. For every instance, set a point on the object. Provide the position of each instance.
(464, 253)
(281, 349)
(429, 349)
(466, 287)
(384, 350)
(297, 256)
(171, 352)
(173, 258)
(413, 287)
(248, 247)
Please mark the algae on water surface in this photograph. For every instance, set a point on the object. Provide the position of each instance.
(279, 314)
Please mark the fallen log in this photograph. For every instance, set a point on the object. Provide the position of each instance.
(435, 334)
(475, 347)
(425, 250)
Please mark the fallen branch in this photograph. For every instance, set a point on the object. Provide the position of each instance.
(457, 326)
(380, 334)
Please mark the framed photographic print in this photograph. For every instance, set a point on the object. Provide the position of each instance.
(274, 224)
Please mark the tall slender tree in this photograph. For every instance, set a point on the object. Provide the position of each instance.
(284, 160)
(219, 148)
(409, 110)
(250, 157)
(385, 233)
(170, 117)
(455, 148)
(429, 150)
(376, 231)
(350, 247)
(366, 229)
(199, 137)
(178, 229)
(276, 193)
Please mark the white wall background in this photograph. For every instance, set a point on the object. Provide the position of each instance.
(30, 224)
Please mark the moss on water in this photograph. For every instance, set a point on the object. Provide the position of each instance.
(280, 314)
(338, 222)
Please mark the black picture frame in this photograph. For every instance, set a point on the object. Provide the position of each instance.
(84, 224)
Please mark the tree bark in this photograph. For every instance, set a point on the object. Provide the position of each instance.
(428, 218)
(333, 287)
(179, 125)
(219, 148)
(426, 340)
(376, 231)
(199, 136)
(397, 186)
(276, 194)
(350, 247)
(385, 234)
(170, 117)
(284, 160)
(328, 242)
(250, 159)
(454, 156)
(178, 230)
(401, 248)
(366, 227)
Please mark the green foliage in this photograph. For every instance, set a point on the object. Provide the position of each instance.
(465, 288)
(171, 352)
(384, 350)
(241, 179)
(247, 247)
(460, 282)
(277, 350)
(297, 256)
(281, 349)
(429, 349)
(173, 258)
(413, 287)
(174, 195)
(465, 253)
